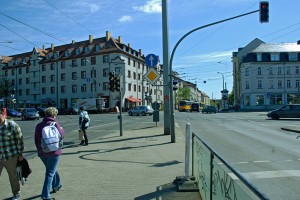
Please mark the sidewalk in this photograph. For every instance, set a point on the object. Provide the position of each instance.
(140, 165)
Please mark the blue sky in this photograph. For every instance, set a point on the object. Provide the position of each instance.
(204, 56)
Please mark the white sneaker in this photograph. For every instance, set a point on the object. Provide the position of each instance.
(16, 197)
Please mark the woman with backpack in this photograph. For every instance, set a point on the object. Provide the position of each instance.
(49, 155)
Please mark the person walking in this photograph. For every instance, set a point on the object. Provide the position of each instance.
(84, 123)
(11, 150)
(50, 159)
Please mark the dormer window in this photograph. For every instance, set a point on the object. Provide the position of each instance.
(97, 47)
(56, 55)
(86, 49)
(17, 62)
(48, 57)
(77, 51)
(66, 53)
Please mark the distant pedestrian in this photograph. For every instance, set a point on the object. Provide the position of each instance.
(50, 159)
(84, 123)
(11, 150)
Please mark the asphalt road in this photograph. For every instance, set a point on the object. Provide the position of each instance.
(255, 146)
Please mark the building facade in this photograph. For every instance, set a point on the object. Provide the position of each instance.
(59, 75)
(266, 76)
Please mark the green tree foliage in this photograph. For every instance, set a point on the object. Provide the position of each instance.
(183, 93)
(231, 98)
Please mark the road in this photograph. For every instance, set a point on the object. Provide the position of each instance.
(255, 146)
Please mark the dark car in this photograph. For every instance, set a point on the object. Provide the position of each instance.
(13, 113)
(209, 109)
(195, 107)
(41, 111)
(30, 113)
(286, 111)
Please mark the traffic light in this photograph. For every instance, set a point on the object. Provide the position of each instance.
(112, 81)
(264, 12)
(117, 83)
(175, 87)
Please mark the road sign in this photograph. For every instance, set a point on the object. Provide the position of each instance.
(151, 60)
(88, 80)
(152, 76)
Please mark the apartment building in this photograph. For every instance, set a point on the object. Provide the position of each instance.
(266, 76)
(59, 75)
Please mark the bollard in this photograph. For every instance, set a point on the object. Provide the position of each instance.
(187, 149)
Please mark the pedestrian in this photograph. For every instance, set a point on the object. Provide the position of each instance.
(84, 123)
(11, 150)
(50, 159)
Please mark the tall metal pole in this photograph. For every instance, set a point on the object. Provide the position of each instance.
(165, 29)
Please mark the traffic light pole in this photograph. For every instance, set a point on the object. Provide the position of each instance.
(121, 107)
(165, 33)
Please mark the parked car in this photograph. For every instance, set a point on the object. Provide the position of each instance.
(195, 107)
(286, 111)
(209, 109)
(13, 113)
(41, 111)
(30, 113)
(141, 110)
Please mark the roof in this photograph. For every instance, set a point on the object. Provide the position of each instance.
(283, 47)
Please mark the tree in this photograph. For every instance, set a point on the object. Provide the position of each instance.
(183, 93)
(231, 98)
(5, 90)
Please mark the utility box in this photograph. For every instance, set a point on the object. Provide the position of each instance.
(156, 116)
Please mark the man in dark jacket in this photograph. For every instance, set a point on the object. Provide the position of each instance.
(49, 159)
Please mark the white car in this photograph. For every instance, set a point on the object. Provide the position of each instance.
(141, 110)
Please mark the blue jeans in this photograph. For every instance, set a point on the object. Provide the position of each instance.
(51, 175)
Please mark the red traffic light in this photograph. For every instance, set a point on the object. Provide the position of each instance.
(264, 12)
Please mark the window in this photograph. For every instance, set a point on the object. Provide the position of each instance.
(63, 77)
(129, 86)
(83, 61)
(247, 100)
(43, 79)
(247, 72)
(86, 49)
(93, 60)
(279, 70)
(275, 57)
(139, 88)
(134, 87)
(52, 78)
(271, 86)
(118, 71)
(134, 75)
(293, 57)
(288, 83)
(52, 90)
(12, 82)
(297, 71)
(20, 92)
(74, 88)
(20, 81)
(275, 99)
(27, 70)
(139, 76)
(43, 68)
(66, 53)
(74, 75)
(77, 51)
(247, 85)
(105, 86)
(83, 74)
(105, 59)
(259, 84)
(297, 84)
(63, 89)
(27, 80)
(74, 63)
(27, 92)
(5, 73)
(260, 100)
(93, 73)
(258, 57)
(20, 70)
(139, 65)
(288, 70)
(133, 63)
(270, 71)
(279, 85)
(12, 72)
(62, 65)
(97, 47)
(128, 61)
(43, 90)
(105, 72)
(52, 67)
(259, 71)
(129, 74)
(83, 88)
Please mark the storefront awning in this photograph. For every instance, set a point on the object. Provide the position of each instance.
(132, 99)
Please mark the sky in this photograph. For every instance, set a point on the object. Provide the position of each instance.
(203, 57)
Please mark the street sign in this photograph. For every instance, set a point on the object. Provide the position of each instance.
(152, 76)
(88, 80)
(151, 60)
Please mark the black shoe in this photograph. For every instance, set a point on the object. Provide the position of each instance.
(49, 199)
(85, 144)
(57, 189)
(81, 143)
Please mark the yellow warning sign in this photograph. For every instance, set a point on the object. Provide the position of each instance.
(152, 76)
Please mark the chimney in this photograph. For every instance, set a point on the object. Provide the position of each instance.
(73, 41)
(43, 48)
(120, 39)
(140, 52)
(298, 42)
(129, 47)
(52, 47)
(107, 35)
(90, 39)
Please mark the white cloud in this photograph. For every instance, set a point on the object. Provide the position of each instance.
(152, 6)
(125, 18)
(209, 57)
(94, 7)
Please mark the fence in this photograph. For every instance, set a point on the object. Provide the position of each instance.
(216, 178)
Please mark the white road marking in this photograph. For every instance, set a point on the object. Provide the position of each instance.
(268, 174)
(261, 161)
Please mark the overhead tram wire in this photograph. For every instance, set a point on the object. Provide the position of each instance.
(33, 28)
(12, 48)
(70, 17)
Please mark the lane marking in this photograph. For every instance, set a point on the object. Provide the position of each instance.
(262, 161)
(268, 174)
